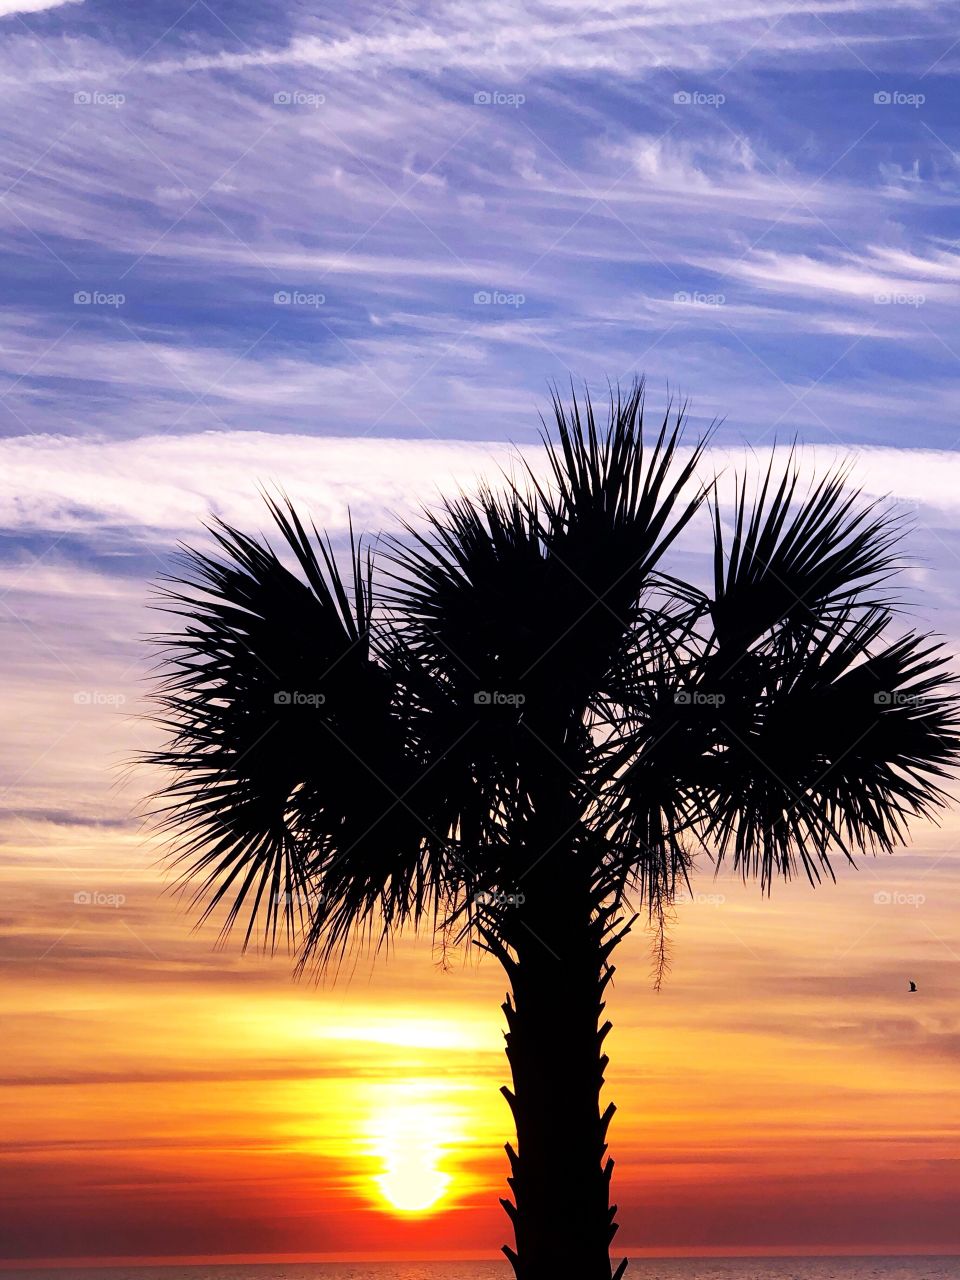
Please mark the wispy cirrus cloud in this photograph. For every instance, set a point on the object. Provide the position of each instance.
(199, 184)
(10, 8)
(881, 274)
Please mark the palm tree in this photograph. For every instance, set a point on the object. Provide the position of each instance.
(516, 723)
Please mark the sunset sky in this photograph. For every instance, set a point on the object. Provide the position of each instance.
(246, 245)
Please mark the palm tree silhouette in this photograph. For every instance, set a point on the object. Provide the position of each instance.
(517, 722)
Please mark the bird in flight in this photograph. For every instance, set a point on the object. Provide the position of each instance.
(913, 986)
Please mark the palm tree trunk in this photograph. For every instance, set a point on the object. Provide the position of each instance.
(561, 1212)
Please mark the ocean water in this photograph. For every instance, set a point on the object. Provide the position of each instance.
(899, 1268)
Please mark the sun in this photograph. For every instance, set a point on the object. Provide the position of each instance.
(412, 1182)
(410, 1137)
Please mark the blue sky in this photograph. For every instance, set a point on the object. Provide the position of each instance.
(198, 159)
(348, 254)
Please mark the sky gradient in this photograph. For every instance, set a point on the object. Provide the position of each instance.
(249, 245)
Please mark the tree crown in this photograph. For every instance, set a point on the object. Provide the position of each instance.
(353, 749)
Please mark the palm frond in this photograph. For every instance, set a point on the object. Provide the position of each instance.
(852, 737)
(792, 563)
(535, 590)
(616, 504)
(283, 743)
(803, 753)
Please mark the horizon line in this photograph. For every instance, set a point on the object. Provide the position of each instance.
(463, 1255)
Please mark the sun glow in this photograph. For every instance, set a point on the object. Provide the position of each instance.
(411, 1133)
